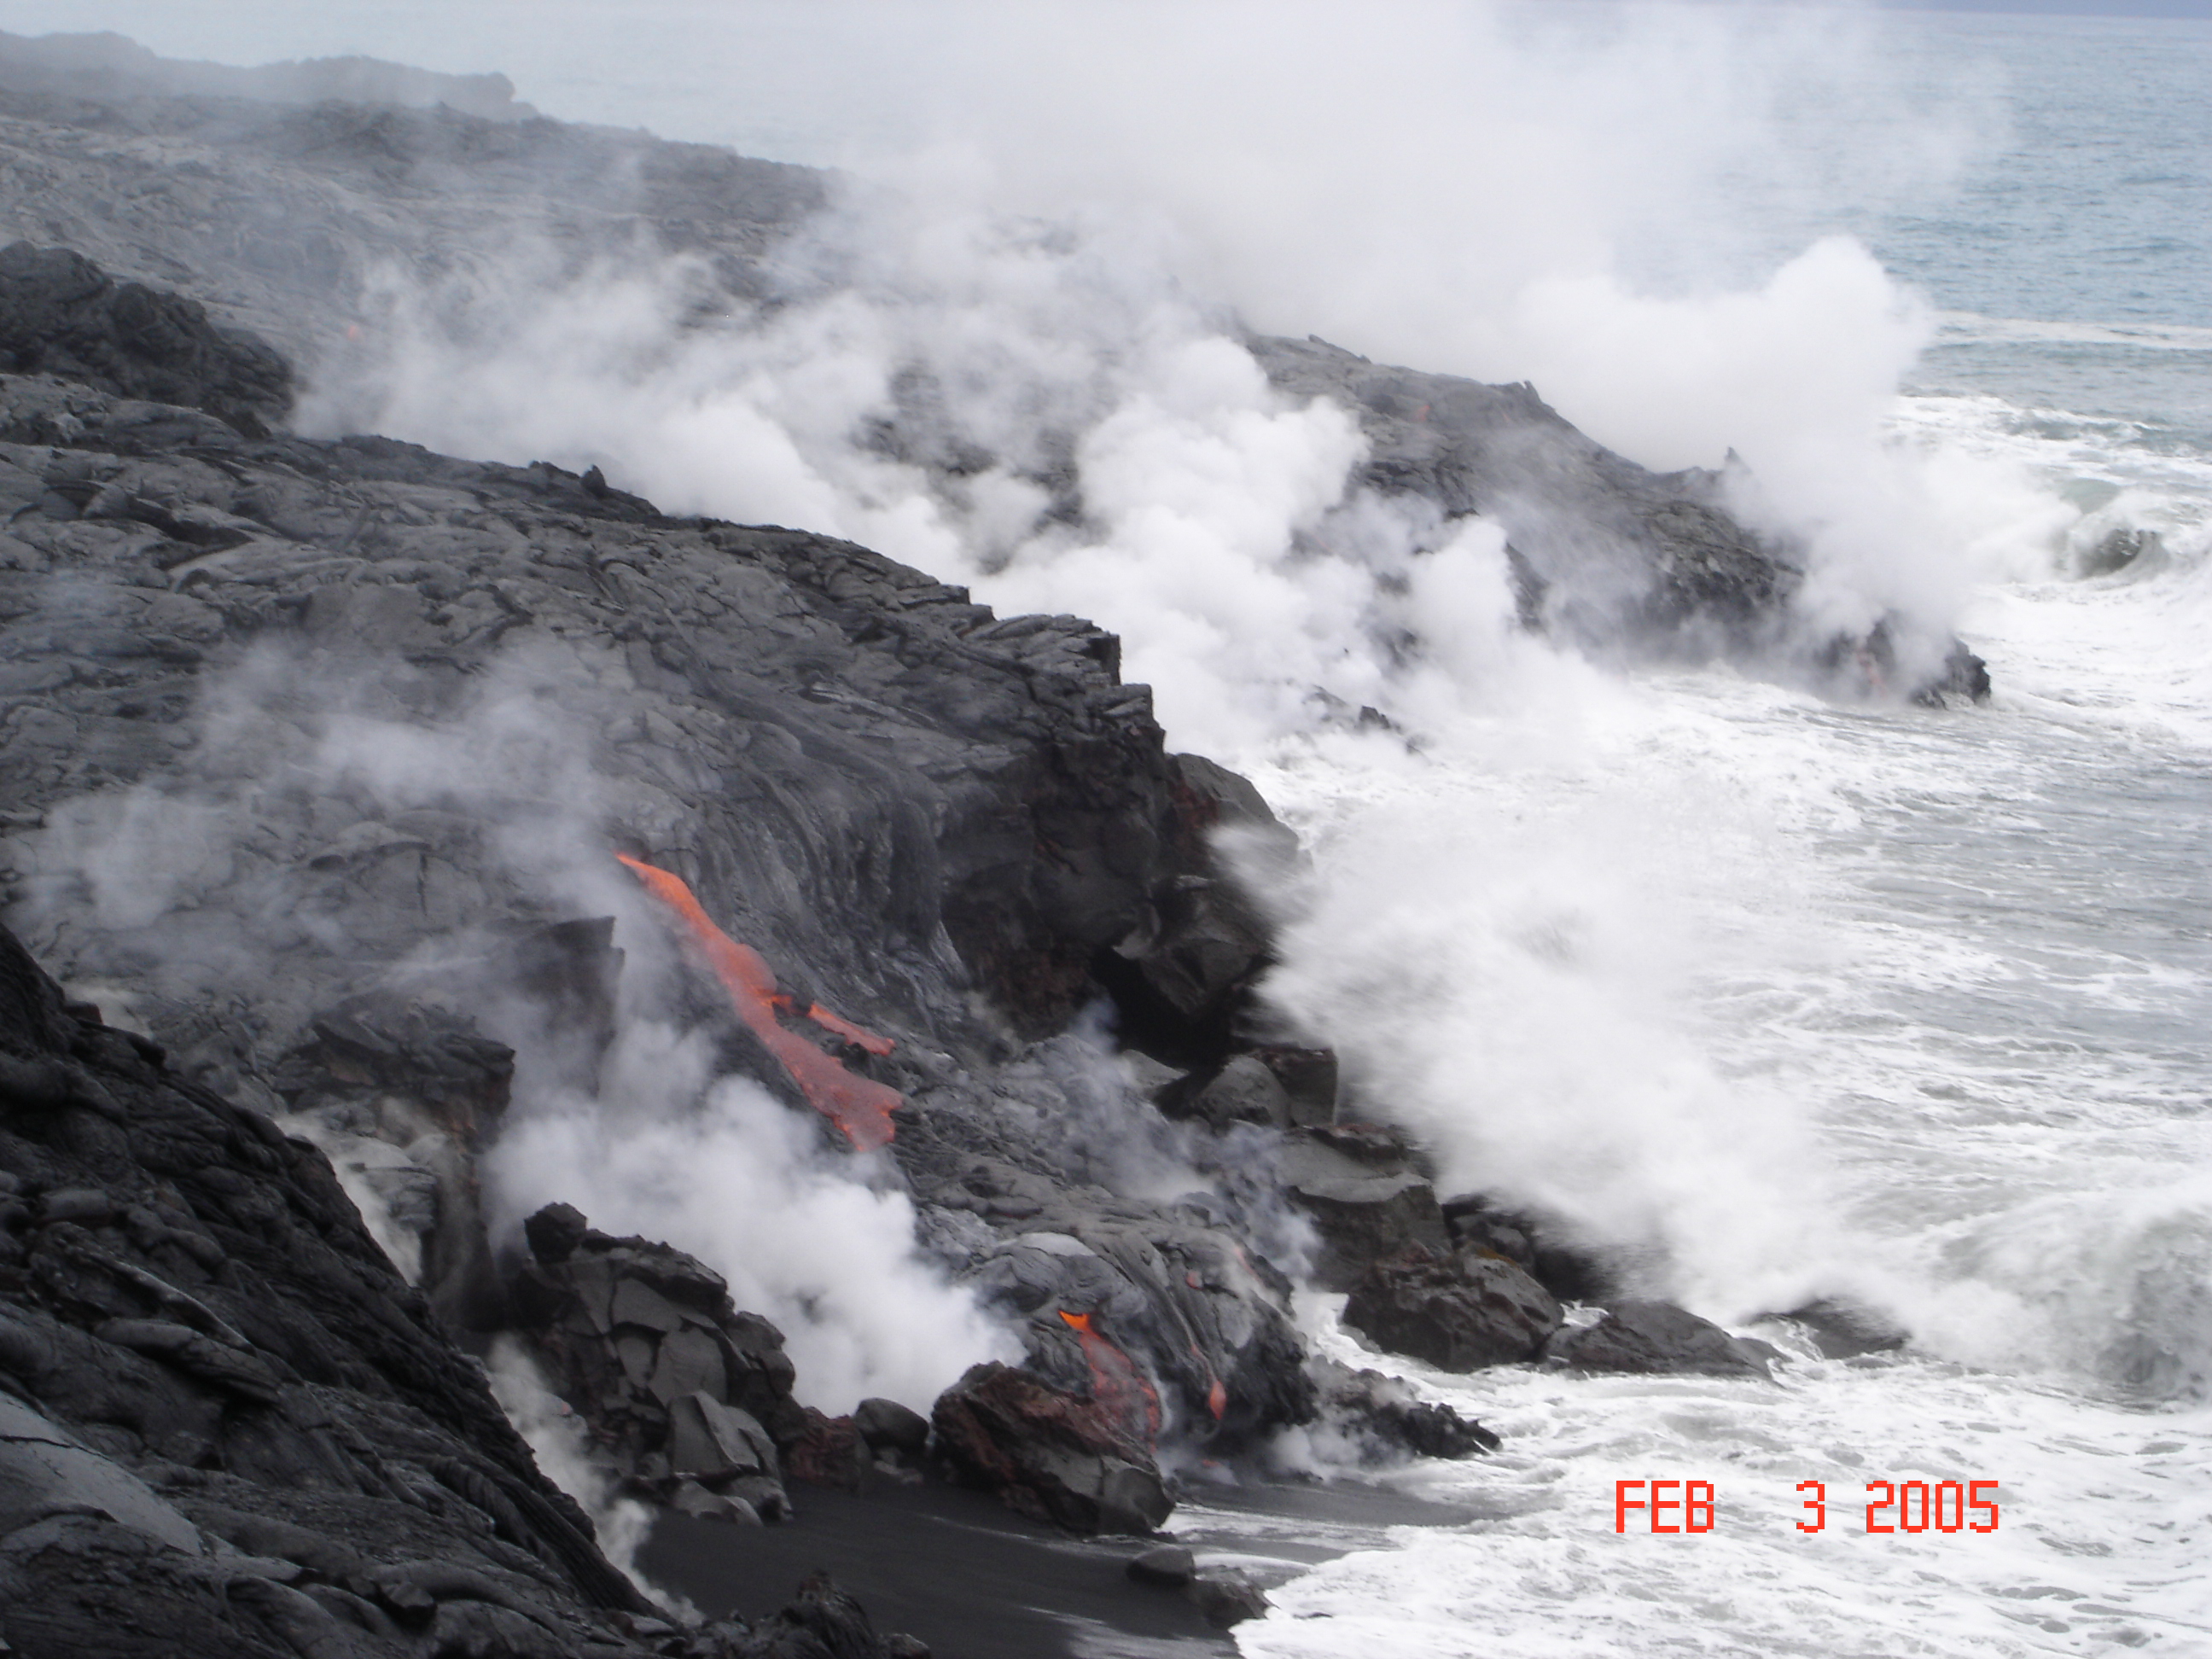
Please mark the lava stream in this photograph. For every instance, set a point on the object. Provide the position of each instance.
(857, 1105)
(1127, 1401)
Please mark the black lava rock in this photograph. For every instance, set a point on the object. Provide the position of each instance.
(1457, 1313)
(1657, 1338)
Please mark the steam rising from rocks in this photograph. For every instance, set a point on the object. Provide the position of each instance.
(1015, 366)
(723, 1171)
(735, 1177)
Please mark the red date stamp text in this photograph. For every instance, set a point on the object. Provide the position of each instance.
(1892, 1506)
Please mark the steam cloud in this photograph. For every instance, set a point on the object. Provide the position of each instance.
(1054, 283)
(1050, 290)
(192, 876)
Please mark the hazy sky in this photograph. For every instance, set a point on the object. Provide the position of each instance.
(2068, 8)
(475, 34)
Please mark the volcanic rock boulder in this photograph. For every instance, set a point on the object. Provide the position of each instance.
(1284, 1086)
(402, 1096)
(61, 314)
(1389, 1421)
(1179, 1286)
(1366, 1203)
(1227, 1596)
(821, 1622)
(1183, 974)
(1048, 1453)
(889, 1428)
(1568, 1272)
(1169, 1566)
(828, 1452)
(229, 1427)
(1843, 1330)
(674, 1383)
(1657, 1338)
(1458, 1313)
(1244, 1090)
(1612, 555)
(1307, 1078)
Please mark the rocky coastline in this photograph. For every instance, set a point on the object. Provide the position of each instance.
(364, 799)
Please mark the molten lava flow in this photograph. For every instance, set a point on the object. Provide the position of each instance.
(1217, 1397)
(857, 1036)
(857, 1105)
(1125, 1399)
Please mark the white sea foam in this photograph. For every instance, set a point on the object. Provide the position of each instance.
(2099, 1525)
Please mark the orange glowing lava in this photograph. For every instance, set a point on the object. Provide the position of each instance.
(860, 1106)
(857, 1036)
(1126, 1399)
(1217, 1397)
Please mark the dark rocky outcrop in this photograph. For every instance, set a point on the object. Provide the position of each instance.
(1390, 1422)
(229, 1422)
(1358, 1185)
(1843, 1330)
(61, 314)
(1196, 1301)
(1604, 551)
(676, 1386)
(1612, 551)
(1227, 1596)
(1657, 1338)
(820, 1622)
(891, 1431)
(1076, 1462)
(1171, 1566)
(1568, 1273)
(1457, 1312)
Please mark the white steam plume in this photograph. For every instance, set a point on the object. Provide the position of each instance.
(1477, 189)
(562, 1450)
(192, 874)
(725, 1172)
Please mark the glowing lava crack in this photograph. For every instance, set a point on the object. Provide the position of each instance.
(1126, 1400)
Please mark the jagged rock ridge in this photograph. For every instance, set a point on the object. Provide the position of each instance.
(944, 822)
(290, 205)
(215, 1388)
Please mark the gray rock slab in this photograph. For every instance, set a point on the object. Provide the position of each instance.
(689, 1362)
(1657, 1338)
(46, 1471)
(711, 1442)
(636, 1303)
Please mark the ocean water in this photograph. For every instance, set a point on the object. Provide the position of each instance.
(1776, 998)
(1965, 955)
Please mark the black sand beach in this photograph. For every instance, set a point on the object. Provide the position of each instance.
(976, 1582)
